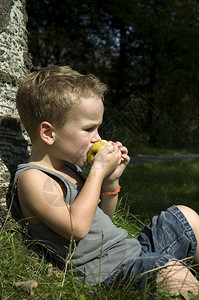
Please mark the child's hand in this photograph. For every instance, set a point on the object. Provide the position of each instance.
(125, 159)
(110, 182)
(107, 159)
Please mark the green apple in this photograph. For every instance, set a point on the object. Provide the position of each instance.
(96, 147)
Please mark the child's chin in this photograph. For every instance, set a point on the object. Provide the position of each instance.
(82, 164)
(85, 164)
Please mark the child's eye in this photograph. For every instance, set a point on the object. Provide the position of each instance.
(90, 129)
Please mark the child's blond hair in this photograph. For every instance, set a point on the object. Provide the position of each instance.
(51, 93)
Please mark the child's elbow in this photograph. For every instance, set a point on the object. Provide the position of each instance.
(78, 231)
(79, 234)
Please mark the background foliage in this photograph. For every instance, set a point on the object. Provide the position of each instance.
(147, 51)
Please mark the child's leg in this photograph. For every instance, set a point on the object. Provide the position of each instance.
(175, 276)
(178, 279)
(193, 219)
(164, 244)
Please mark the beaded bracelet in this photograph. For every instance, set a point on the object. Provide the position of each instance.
(104, 193)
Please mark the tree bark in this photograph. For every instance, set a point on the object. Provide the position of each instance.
(15, 63)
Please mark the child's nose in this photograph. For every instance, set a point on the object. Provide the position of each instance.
(96, 137)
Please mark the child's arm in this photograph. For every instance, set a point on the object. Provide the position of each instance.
(109, 202)
(47, 205)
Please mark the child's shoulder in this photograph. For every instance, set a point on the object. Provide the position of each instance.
(40, 175)
(34, 171)
(33, 183)
(32, 177)
(28, 170)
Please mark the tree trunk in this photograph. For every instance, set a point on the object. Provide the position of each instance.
(15, 63)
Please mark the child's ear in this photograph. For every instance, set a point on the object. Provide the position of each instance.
(47, 132)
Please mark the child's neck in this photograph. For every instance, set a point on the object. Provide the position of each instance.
(46, 161)
(43, 159)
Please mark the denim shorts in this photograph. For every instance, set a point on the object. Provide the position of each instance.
(169, 237)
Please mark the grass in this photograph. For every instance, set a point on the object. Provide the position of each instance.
(153, 187)
(146, 190)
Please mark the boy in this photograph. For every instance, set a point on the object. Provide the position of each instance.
(62, 111)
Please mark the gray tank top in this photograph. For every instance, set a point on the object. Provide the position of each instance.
(102, 251)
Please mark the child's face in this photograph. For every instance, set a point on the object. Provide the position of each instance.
(76, 137)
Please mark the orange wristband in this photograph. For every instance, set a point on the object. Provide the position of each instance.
(104, 193)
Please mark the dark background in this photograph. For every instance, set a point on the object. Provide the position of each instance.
(146, 51)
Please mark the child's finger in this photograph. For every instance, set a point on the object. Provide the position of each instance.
(125, 159)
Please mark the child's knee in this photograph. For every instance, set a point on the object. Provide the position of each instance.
(191, 216)
(193, 219)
